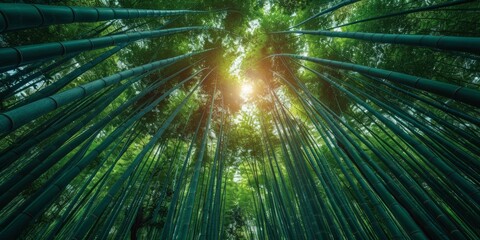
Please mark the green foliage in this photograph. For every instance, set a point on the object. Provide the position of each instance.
(267, 135)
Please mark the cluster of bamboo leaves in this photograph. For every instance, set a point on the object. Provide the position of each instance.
(365, 122)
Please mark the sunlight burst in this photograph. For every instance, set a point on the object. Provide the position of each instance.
(246, 91)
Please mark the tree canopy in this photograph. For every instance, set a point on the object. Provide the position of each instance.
(221, 119)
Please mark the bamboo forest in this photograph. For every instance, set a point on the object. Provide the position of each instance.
(240, 119)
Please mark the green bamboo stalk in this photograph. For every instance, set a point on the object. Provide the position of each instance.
(443, 107)
(139, 196)
(13, 87)
(337, 220)
(461, 153)
(406, 12)
(12, 57)
(217, 202)
(449, 43)
(22, 146)
(24, 16)
(159, 202)
(270, 152)
(18, 117)
(184, 228)
(377, 204)
(463, 94)
(328, 10)
(77, 203)
(367, 203)
(311, 112)
(22, 80)
(54, 144)
(463, 184)
(64, 81)
(168, 228)
(406, 201)
(331, 188)
(439, 188)
(38, 204)
(282, 188)
(206, 213)
(427, 174)
(131, 136)
(133, 174)
(41, 163)
(341, 207)
(355, 157)
(318, 226)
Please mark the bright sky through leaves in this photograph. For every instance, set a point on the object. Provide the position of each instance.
(246, 90)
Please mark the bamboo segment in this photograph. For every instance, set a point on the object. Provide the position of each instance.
(12, 57)
(18, 117)
(415, 10)
(328, 10)
(450, 43)
(463, 94)
(23, 16)
(59, 84)
(23, 145)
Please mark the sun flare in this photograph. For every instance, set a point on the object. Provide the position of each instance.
(246, 91)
